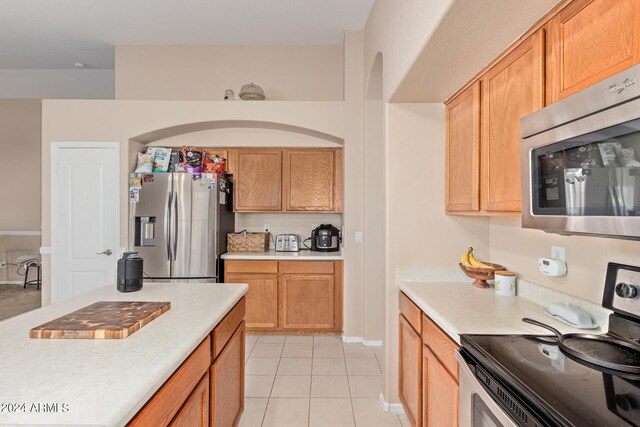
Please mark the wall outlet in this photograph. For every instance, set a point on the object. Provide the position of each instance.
(267, 227)
(358, 236)
(3, 264)
(558, 252)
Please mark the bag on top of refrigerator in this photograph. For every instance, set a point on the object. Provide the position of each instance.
(161, 158)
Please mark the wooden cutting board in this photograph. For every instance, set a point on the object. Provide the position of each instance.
(102, 320)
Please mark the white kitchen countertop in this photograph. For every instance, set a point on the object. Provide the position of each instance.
(104, 382)
(286, 256)
(459, 308)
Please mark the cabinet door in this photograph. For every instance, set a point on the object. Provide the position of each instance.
(511, 89)
(410, 385)
(462, 162)
(307, 301)
(309, 180)
(440, 394)
(258, 180)
(195, 411)
(588, 41)
(262, 298)
(227, 382)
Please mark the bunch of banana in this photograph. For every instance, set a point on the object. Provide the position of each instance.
(468, 260)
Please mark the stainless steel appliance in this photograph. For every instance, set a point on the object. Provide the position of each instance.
(580, 161)
(288, 243)
(525, 380)
(325, 238)
(179, 225)
(130, 272)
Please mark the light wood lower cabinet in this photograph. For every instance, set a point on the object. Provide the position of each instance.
(440, 398)
(227, 382)
(428, 380)
(195, 411)
(307, 301)
(207, 390)
(410, 372)
(262, 298)
(290, 296)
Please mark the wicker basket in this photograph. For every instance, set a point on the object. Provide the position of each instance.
(250, 242)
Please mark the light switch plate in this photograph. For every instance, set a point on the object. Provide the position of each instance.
(358, 236)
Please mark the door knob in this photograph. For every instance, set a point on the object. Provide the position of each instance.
(107, 252)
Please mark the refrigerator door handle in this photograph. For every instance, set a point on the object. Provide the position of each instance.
(167, 225)
(174, 234)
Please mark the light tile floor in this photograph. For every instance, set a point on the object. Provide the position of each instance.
(296, 381)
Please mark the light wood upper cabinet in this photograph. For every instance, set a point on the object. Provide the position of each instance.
(287, 180)
(309, 180)
(588, 41)
(463, 151)
(511, 89)
(258, 180)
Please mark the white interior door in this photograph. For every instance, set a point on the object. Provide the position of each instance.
(85, 211)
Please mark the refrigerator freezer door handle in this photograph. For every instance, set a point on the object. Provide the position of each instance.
(167, 225)
(174, 234)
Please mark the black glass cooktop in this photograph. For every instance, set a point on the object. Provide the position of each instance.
(565, 391)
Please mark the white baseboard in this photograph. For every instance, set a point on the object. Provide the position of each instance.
(20, 233)
(368, 343)
(394, 408)
(11, 282)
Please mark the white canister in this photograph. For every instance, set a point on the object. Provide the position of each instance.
(505, 283)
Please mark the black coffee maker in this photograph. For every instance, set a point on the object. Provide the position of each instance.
(130, 272)
(325, 238)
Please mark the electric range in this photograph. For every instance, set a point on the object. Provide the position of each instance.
(525, 380)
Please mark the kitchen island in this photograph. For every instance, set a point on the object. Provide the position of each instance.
(107, 382)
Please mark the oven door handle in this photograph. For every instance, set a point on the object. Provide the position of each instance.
(470, 386)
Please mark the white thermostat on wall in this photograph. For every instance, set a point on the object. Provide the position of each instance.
(552, 267)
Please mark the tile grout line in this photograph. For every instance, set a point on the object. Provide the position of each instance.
(264, 416)
(353, 411)
(313, 348)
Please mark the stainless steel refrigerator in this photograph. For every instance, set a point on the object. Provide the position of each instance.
(179, 225)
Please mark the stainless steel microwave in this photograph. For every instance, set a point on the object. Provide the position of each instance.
(580, 161)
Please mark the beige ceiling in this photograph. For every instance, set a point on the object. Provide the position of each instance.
(471, 34)
(54, 34)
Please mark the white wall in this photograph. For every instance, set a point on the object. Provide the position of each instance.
(400, 29)
(587, 257)
(57, 84)
(419, 232)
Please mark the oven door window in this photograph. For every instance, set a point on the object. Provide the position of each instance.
(597, 174)
(482, 416)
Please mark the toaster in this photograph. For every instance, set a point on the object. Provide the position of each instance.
(288, 243)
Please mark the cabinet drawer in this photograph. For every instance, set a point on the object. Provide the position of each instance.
(225, 329)
(322, 267)
(162, 407)
(411, 312)
(441, 345)
(242, 266)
